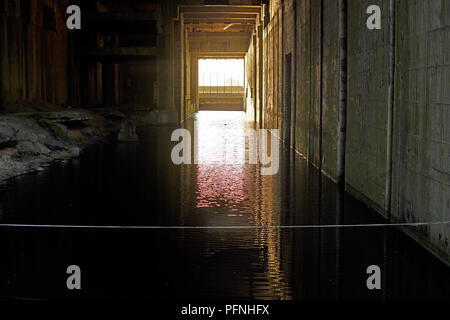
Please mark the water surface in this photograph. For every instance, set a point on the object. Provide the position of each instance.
(136, 184)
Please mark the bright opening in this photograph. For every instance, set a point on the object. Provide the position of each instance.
(221, 76)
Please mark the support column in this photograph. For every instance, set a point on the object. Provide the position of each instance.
(99, 83)
(116, 84)
(342, 94)
(176, 68)
(390, 113)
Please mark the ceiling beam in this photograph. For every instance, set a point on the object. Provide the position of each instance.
(217, 15)
(121, 16)
(213, 20)
(227, 8)
(208, 35)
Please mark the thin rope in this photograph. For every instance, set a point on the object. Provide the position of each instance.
(329, 226)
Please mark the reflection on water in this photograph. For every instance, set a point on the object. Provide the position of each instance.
(220, 137)
(221, 186)
(220, 149)
(136, 184)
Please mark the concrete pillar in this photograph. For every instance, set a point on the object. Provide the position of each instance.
(342, 94)
(116, 67)
(259, 69)
(99, 83)
(164, 55)
(194, 81)
(182, 68)
(176, 67)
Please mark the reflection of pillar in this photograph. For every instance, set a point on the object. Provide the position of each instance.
(386, 255)
(340, 193)
(319, 236)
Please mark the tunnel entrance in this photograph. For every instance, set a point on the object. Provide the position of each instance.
(221, 84)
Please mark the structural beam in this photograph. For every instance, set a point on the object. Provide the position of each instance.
(121, 16)
(123, 51)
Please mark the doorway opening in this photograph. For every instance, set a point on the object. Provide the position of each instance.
(221, 84)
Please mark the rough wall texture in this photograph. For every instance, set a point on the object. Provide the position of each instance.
(249, 82)
(270, 116)
(420, 135)
(303, 74)
(330, 83)
(273, 74)
(165, 98)
(315, 65)
(368, 85)
(33, 57)
(421, 143)
(288, 94)
(316, 112)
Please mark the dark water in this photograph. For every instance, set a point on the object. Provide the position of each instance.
(136, 184)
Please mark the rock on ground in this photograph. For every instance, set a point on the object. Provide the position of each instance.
(30, 140)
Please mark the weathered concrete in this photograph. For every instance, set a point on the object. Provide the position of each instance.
(411, 183)
(389, 116)
(421, 137)
(368, 99)
(33, 59)
(317, 83)
(303, 74)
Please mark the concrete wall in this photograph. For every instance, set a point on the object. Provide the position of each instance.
(165, 98)
(421, 133)
(330, 87)
(272, 70)
(317, 83)
(395, 94)
(288, 70)
(250, 83)
(420, 141)
(303, 74)
(368, 99)
(33, 59)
